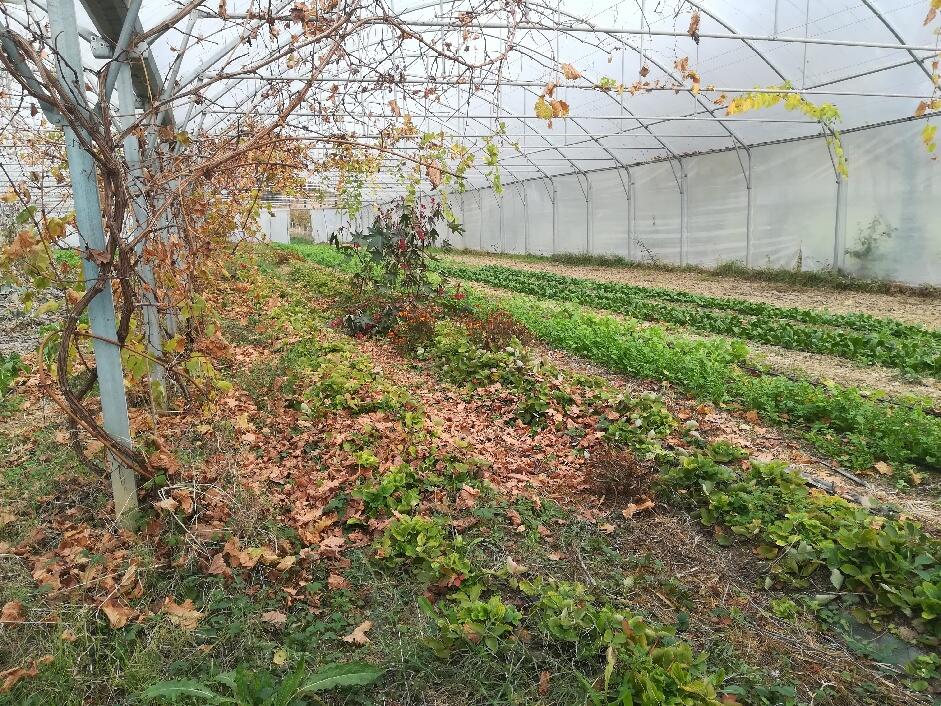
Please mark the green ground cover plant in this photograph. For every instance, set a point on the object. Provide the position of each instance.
(803, 534)
(880, 577)
(806, 534)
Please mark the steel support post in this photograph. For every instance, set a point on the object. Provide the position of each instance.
(502, 235)
(749, 215)
(150, 309)
(63, 26)
(555, 217)
(525, 218)
(684, 214)
(631, 214)
(589, 219)
(839, 234)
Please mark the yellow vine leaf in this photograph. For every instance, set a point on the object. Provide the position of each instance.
(543, 109)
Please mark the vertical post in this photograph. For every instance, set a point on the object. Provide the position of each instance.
(151, 313)
(631, 213)
(684, 214)
(839, 235)
(525, 218)
(480, 221)
(749, 215)
(62, 24)
(166, 225)
(589, 219)
(500, 208)
(555, 217)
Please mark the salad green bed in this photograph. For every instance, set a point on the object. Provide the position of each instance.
(859, 337)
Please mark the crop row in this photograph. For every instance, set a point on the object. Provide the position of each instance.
(806, 536)
(862, 338)
(857, 321)
(472, 607)
(892, 564)
(841, 422)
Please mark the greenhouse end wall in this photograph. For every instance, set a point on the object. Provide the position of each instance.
(891, 228)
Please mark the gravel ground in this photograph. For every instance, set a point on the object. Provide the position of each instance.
(911, 310)
(19, 331)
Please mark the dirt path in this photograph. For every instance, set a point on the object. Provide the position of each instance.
(822, 368)
(911, 310)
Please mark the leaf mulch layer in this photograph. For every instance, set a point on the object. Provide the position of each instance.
(234, 474)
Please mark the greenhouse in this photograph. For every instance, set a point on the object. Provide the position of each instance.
(470, 352)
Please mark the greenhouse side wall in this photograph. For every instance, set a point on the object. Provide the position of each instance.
(892, 222)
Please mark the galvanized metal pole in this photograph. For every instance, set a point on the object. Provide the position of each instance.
(502, 236)
(749, 214)
(839, 235)
(555, 217)
(589, 218)
(62, 24)
(525, 218)
(684, 214)
(631, 214)
(151, 312)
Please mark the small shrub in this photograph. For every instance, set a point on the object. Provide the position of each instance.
(414, 329)
(422, 542)
(396, 491)
(464, 618)
(10, 367)
(496, 331)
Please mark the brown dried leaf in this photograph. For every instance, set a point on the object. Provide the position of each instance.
(358, 636)
(217, 567)
(117, 614)
(434, 175)
(275, 617)
(337, 582)
(570, 72)
(12, 612)
(182, 614)
(466, 498)
(543, 683)
(12, 676)
(633, 508)
(693, 30)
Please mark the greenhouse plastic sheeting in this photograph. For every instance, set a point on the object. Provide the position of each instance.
(890, 195)
(657, 212)
(717, 202)
(539, 213)
(892, 228)
(891, 189)
(610, 213)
